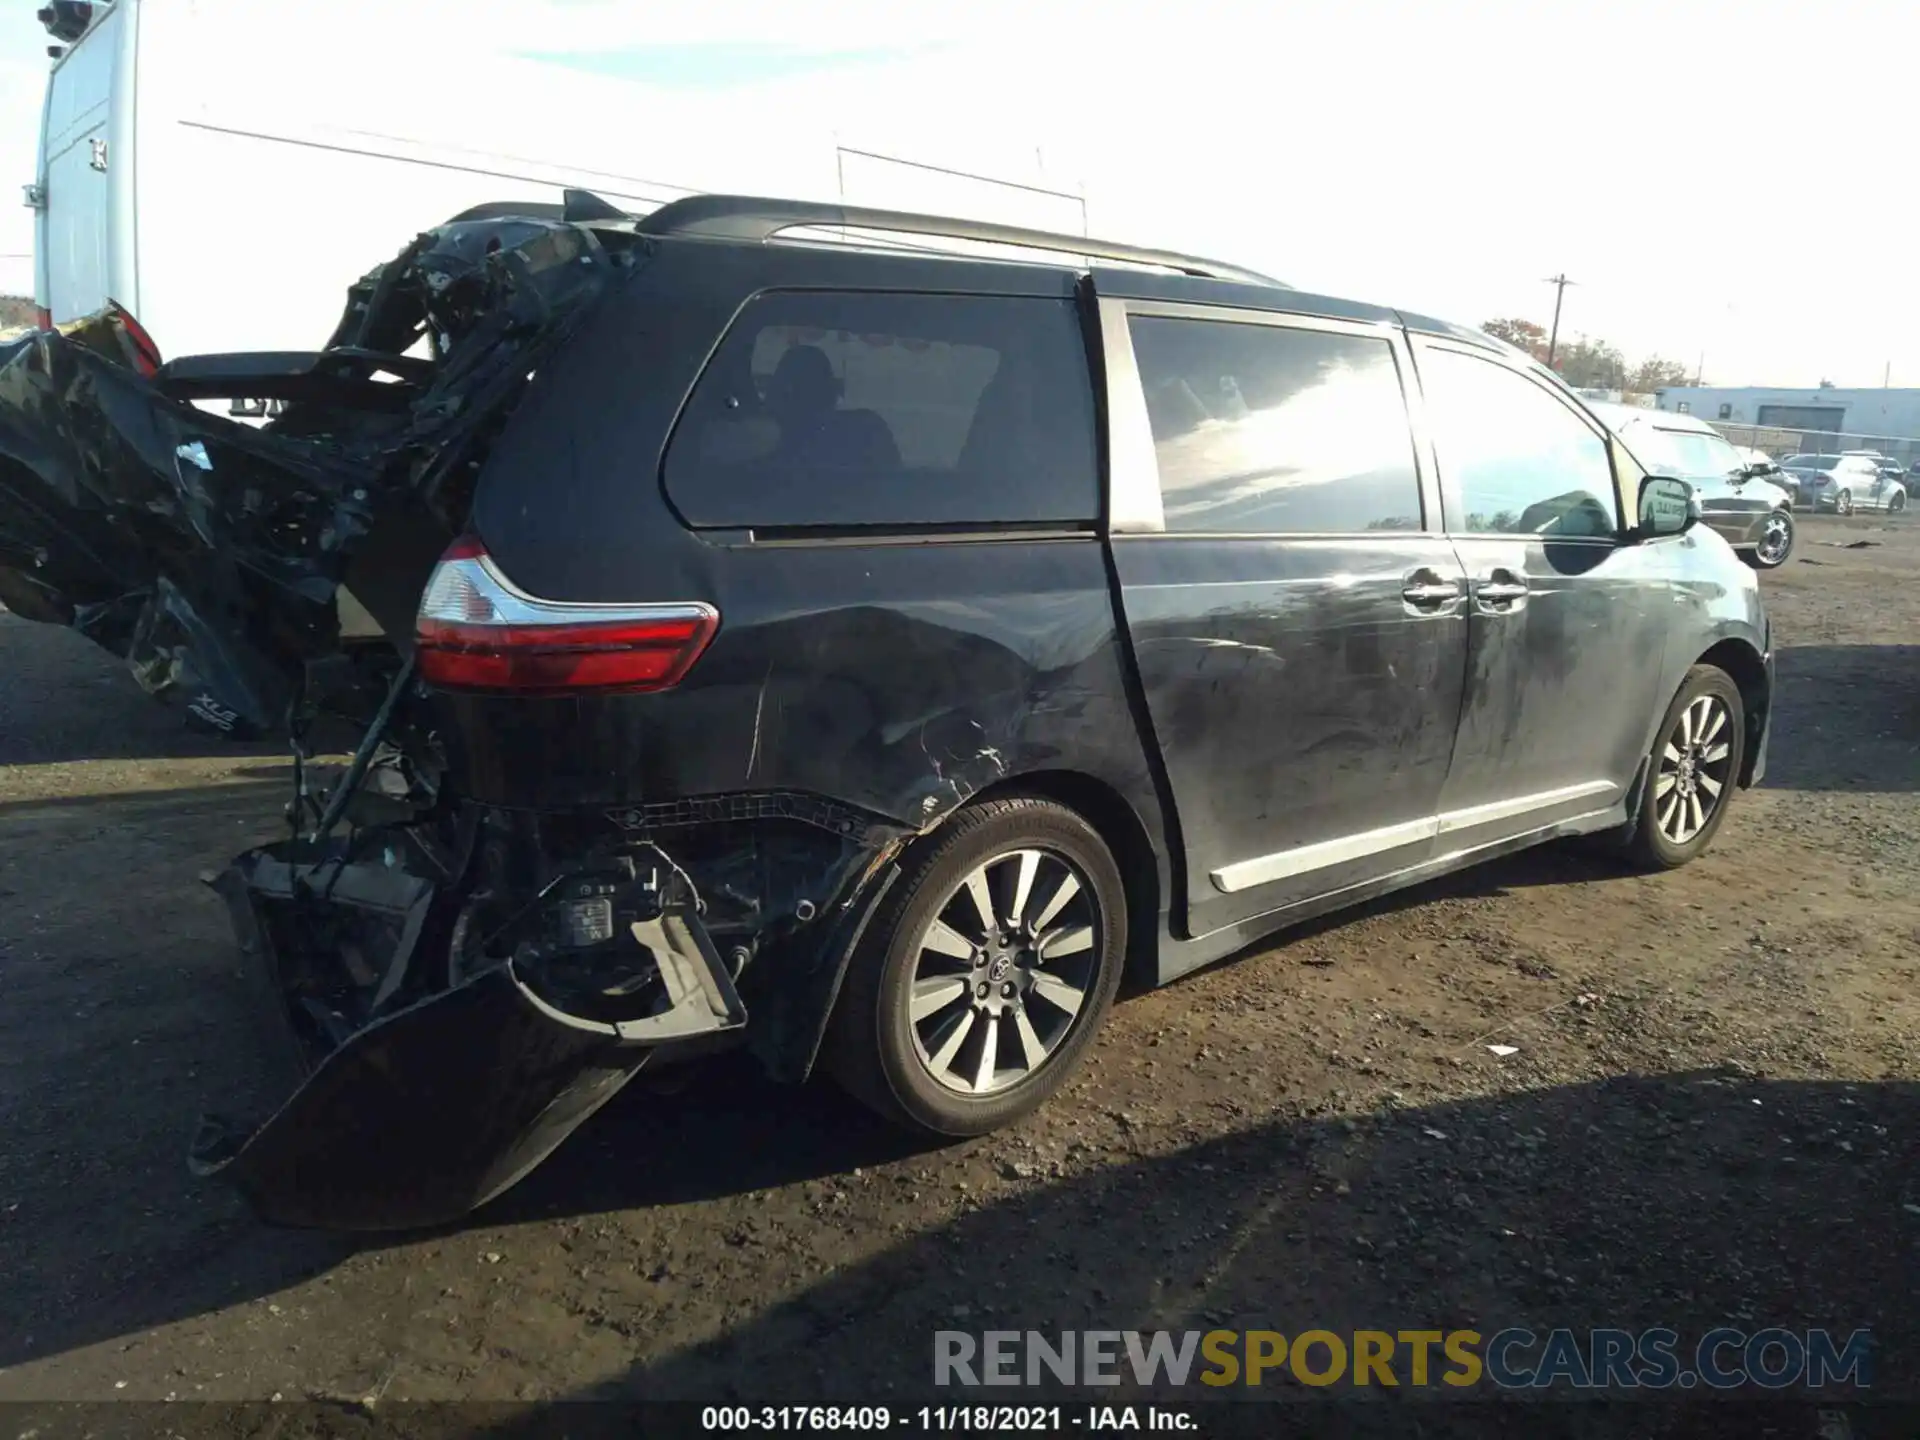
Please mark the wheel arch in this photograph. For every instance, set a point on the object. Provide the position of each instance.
(1743, 664)
(1096, 801)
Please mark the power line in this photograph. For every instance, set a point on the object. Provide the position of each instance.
(1559, 283)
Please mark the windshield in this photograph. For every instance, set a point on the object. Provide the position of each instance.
(1686, 452)
(1811, 462)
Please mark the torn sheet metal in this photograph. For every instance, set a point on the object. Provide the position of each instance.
(208, 553)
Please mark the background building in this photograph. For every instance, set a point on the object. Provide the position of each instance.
(1832, 412)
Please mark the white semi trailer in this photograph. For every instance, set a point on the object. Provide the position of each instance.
(224, 169)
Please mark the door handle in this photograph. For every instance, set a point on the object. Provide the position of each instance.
(1428, 590)
(1500, 591)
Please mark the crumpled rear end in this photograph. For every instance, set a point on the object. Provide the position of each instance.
(210, 554)
(463, 982)
(203, 552)
(464, 986)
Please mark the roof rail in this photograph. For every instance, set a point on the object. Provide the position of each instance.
(755, 220)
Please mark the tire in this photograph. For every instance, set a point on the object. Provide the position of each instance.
(935, 1072)
(1843, 502)
(1775, 544)
(1662, 840)
(1896, 502)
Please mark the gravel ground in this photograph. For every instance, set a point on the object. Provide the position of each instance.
(1709, 1118)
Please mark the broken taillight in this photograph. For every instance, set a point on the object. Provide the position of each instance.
(145, 354)
(478, 631)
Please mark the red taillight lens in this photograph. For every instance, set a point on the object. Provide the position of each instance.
(42, 318)
(146, 354)
(477, 631)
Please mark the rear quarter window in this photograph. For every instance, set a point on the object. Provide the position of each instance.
(846, 409)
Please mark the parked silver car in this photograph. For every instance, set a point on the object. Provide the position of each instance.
(1737, 496)
(1763, 466)
(1846, 483)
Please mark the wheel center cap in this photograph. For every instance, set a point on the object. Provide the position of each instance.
(999, 969)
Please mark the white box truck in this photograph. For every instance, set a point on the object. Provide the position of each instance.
(224, 169)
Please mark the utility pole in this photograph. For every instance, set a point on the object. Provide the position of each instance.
(1559, 283)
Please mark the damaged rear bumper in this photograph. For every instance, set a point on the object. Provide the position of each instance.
(436, 1106)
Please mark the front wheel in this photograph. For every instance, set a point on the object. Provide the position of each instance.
(1775, 543)
(1692, 772)
(986, 972)
(1896, 502)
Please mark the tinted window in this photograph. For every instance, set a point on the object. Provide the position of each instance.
(1514, 460)
(1261, 428)
(823, 408)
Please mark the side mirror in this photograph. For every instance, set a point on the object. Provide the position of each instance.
(1667, 507)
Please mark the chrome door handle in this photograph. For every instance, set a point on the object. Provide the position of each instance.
(1427, 590)
(1496, 591)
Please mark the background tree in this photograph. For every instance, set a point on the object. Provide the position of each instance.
(1586, 363)
(1656, 373)
(1523, 333)
(15, 310)
(1589, 364)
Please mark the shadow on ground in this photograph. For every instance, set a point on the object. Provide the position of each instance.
(1848, 719)
(67, 700)
(1690, 1200)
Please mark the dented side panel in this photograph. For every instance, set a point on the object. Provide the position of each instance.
(842, 675)
(845, 672)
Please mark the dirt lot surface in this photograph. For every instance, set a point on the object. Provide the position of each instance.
(1711, 1116)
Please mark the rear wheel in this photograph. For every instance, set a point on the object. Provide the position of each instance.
(1775, 543)
(1843, 503)
(986, 973)
(1692, 772)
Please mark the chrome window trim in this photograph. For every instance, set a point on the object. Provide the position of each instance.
(1568, 402)
(1303, 859)
(1133, 472)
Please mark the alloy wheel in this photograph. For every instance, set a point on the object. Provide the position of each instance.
(1843, 503)
(1776, 539)
(1695, 765)
(1004, 970)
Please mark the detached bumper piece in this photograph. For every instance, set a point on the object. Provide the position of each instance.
(436, 1104)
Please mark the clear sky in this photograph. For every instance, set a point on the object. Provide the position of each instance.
(1726, 178)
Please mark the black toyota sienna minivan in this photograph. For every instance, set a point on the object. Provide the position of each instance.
(759, 628)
